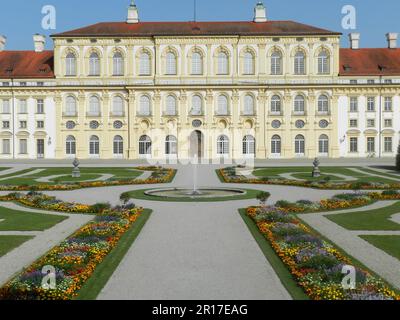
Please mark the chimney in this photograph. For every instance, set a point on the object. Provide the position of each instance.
(133, 13)
(3, 41)
(392, 40)
(354, 41)
(260, 13)
(39, 42)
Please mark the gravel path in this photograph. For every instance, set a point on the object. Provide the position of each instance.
(375, 259)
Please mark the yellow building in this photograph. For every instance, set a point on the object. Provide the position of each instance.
(255, 89)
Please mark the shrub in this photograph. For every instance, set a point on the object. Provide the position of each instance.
(263, 197)
(100, 207)
(398, 159)
(305, 202)
(390, 193)
(283, 204)
(124, 198)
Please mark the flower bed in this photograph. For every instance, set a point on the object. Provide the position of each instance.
(159, 175)
(74, 260)
(45, 202)
(229, 175)
(315, 264)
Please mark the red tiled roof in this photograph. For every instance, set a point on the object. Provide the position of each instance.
(148, 29)
(26, 64)
(369, 62)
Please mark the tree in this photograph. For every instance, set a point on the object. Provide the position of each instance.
(398, 158)
(263, 197)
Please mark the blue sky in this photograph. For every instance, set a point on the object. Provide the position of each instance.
(20, 19)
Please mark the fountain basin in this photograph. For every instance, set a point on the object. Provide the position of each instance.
(203, 193)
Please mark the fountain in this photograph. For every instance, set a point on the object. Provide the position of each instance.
(195, 192)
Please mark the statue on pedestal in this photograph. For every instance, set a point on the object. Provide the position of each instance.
(76, 173)
(316, 172)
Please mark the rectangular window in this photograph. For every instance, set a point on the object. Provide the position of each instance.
(40, 124)
(6, 124)
(353, 81)
(40, 106)
(22, 124)
(370, 145)
(6, 106)
(388, 104)
(6, 146)
(371, 104)
(23, 107)
(353, 145)
(353, 123)
(371, 81)
(388, 123)
(388, 81)
(353, 104)
(23, 146)
(370, 123)
(388, 144)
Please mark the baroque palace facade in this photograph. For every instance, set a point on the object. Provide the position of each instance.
(259, 89)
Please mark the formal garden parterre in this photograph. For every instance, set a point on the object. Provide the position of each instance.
(332, 178)
(314, 263)
(158, 175)
(76, 258)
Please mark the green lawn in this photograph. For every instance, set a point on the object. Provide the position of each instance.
(140, 194)
(8, 243)
(104, 271)
(389, 244)
(305, 173)
(27, 221)
(368, 220)
(86, 174)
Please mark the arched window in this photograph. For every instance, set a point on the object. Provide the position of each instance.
(145, 106)
(94, 106)
(223, 145)
(171, 144)
(94, 64)
(118, 64)
(170, 66)
(197, 63)
(70, 65)
(276, 145)
(70, 106)
(145, 145)
(323, 104)
(248, 63)
(276, 63)
(171, 106)
(70, 146)
(299, 104)
(299, 63)
(222, 105)
(249, 145)
(276, 104)
(118, 145)
(144, 64)
(299, 145)
(248, 105)
(118, 106)
(197, 106)
(323, 144)
(223, 63)
(323, 62)
(94, 146)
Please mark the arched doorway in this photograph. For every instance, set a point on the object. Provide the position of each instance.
(196, 144)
